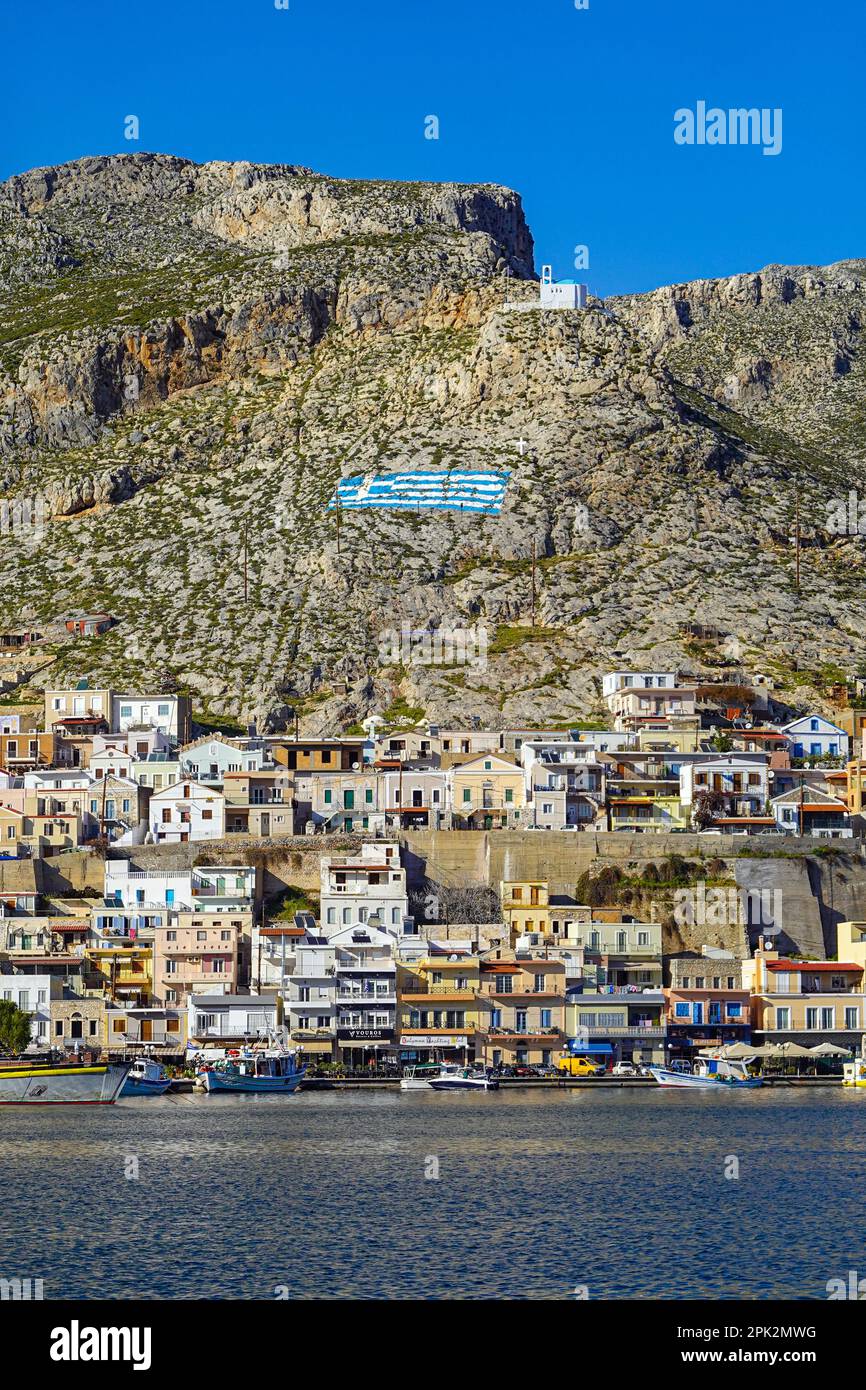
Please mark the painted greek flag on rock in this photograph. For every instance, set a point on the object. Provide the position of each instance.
(455, 491)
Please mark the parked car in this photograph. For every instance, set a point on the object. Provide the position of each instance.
(626, 1069)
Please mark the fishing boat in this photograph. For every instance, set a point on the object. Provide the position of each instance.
(264, 1068)
(146, 1078)
(457, 1078)
(62, 1084)
(710, 1072)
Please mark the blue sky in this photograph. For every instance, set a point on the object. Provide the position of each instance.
(573, 108)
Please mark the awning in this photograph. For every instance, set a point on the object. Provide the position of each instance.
(574, 1046)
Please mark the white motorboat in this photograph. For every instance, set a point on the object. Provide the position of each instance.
(457, 1078)
(707, 1073)
(420, 1078)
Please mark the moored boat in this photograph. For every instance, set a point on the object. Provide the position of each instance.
(146, 1078)
(420, 1078)
(98, 1084)
(268, 1071)
(709, 1073)
(457, 1078)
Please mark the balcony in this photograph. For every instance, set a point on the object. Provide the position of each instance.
(415, 993)
(653, 1030)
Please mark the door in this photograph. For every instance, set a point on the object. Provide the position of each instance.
(147, 1030)
(266, 822)
(697, 1013)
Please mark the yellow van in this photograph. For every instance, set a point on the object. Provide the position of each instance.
(578, 1066)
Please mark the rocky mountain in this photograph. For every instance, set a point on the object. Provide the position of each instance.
(191, 356)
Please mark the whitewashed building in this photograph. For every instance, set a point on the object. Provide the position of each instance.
(187, 811)
(358, 886)
(813, 736)
(560, 294)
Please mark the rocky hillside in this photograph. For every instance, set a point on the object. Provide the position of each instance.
(192, 355)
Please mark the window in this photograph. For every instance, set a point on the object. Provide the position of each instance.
(783, 1018)
(506, 984)
(368, 796)
(171, 967)
(828, 1019)
(201, 936)
(163, 711)
(207, 815)
(540, 983)
(811, 1018)
(126, 711)
(852, 1018)
(509, 795)
(546, 1017)
(735, 1011)
(699, 982)
(349, 800)
(467, 794)
(171, 936)
(328, 796)
(225, 936)
(643, 938)
(681, 1010)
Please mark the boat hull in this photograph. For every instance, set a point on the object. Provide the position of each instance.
(252, 1085)
(140, 1086)
(93, 1085)
(463, 1084)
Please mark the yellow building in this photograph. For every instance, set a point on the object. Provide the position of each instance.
(677, 738)
(438, 1008)
(525, 906)
(487, 793)
(124, 974)
(806, 1001)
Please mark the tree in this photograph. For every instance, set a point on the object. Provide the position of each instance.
(14, 1027)
(707, 806)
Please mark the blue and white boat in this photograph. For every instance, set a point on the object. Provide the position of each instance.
(146, 1078)
(269, 1071)
(709, 1073)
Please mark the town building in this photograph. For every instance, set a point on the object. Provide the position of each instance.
(521, 1003)
(186, 811)
(357, 887)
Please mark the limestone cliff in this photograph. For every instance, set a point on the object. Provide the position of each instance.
(192, 355)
